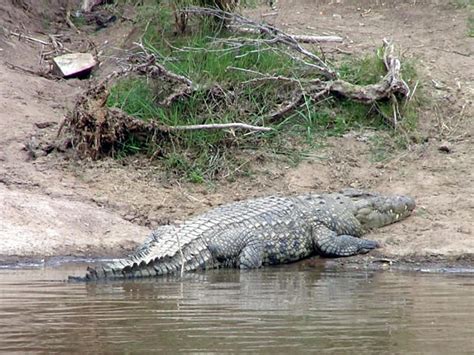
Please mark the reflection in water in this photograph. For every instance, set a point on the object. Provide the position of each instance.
(290, 308)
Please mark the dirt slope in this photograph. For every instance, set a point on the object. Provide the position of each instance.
(53, 206)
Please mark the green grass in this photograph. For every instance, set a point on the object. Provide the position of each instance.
(469, 6)
(203, 155)
(462, 4)
(470, 25)
(334, 117)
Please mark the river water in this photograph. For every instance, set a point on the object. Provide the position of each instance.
(303, 307)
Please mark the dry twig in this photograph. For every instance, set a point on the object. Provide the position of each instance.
(70, 23)
(274, 34)
(29, 38)
(215, 126)
(298, 38)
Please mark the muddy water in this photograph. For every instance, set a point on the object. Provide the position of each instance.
(366, 3)
(300, 307)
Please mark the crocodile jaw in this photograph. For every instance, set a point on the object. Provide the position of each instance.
(378, 211)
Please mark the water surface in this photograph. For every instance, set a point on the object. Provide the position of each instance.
(299, 307)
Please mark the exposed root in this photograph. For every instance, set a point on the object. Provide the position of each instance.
(98, 131)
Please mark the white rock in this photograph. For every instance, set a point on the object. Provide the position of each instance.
(74, 64)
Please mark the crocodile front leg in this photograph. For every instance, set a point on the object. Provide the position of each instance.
(329, 243)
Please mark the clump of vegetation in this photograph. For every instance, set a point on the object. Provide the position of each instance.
(213, 76)
(469, 6)
(470, 25)
(462, 4)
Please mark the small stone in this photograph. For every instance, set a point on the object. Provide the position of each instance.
(43, 125)
(129, 217)
(445, 147)
(464, 230)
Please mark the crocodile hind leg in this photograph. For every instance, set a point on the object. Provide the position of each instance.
(237, 248)
(329, 243)
(251, 256)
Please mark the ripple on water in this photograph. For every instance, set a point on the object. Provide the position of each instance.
(290, 308)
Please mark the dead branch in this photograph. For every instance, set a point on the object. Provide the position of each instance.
(148, 66)
(391, 84)
(215, 126)
(366, 94)
(283, 111)
(43, 74)
(274, 34)
(393, 66)
(155, 70)
(70, 23)
(268, 14)
(317, 39)
(180, 92)
(312, 92)
(272, 78)
(263, 77)
(298, 38)
(29, 38)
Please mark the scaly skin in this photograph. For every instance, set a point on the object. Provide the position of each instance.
(263, 231)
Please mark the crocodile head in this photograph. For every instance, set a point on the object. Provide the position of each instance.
(374, 210)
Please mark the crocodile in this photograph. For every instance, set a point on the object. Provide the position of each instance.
(262, 231)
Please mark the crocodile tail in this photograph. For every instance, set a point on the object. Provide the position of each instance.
(101, 272)
(147, 261)
(133, 266)
(124, 269)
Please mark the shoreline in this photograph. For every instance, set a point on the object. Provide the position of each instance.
(459, 264)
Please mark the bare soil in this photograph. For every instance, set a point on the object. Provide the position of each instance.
(52, 205)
